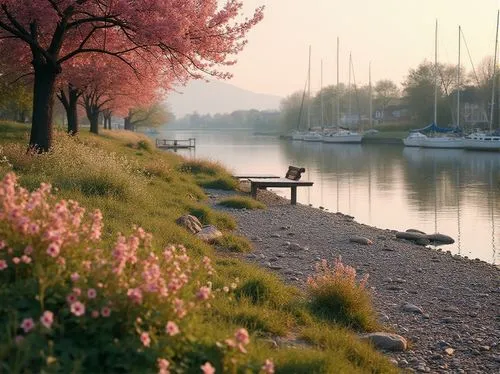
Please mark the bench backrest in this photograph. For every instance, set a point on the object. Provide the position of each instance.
(294, 173)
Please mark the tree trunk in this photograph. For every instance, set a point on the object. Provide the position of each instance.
(94, 121)
(43, 104)
(72, 112)
(128, 123)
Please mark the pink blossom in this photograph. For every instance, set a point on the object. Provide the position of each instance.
(28, 250)
(207, 368)
(3, 265)
(94, 313)
(78, 309)
(75, 277)
(145, 339)
(61, 261)
(26, 259)
(163, 365)
(242, 336)
(172, 329)
(71, 298)
(3, 244)
(203, 293)
(135, 295)
(53, 250)
(16, 260)
(28, 324)
(105, 311)
(268, 367)
(91, 293)
(47, 319)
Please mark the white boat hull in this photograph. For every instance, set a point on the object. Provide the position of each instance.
(345, 139)
(442, 142)
(414, 140)
(488, 143)
(313, 138)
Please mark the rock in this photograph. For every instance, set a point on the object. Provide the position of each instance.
(410, 235)
(449, 351)
(412, 308)
(209, 234)
(191, 223)
(276, 235)
(422, 241)
(360, 240)
(386, 341)
(416, 231)
(440, 238)
(295, 247)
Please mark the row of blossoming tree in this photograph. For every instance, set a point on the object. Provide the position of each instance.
(114, 54)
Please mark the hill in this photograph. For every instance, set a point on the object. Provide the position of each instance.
(217, 97)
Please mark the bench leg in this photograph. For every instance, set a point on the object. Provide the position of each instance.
(294, 195)
(253, 189)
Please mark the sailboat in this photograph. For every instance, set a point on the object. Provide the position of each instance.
(446, 141)
(297, 134)
(310, 136)
(341, 135)
(490, 141)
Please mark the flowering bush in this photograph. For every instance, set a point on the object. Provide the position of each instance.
(336, 294)
(68, 303)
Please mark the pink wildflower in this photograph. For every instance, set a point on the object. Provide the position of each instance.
(91, 293)
(77, 291)
(145, 339)
(242, 336)
(28, 324)
(75, 277)
(16, 260)
(26, 259)
(163, 364)
(53, 250)
(3, 244)
(3, 265)
(94, 313)
(268, 367)
(71, 298)
(207, 368)
(135, 295)
(172, 329)
(61, 261)
(78, 309)
(105, 312)
(28, 250)
(203, 293)
(47, 319)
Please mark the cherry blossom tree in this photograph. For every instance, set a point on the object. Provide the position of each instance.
(193, 36)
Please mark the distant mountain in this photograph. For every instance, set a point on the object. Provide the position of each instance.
(217, 97)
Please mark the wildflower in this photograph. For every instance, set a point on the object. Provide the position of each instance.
(207, 368)
(203, 293)
(105, 311)
(91, 293)
(28, 250)
(71, 298)
(163, 366)
(3, 265)
(75, 277)
(53, 250)
(268, 367)
(77, 291)
(135, 295)
(78, 309)
(26, 259)
(225, 289)
(234, 285)
(145, 339)
(47, 319)
(16, 260)
(94, 313)
(3, 244)
(28, 324)
(172, 328)
(242, 336)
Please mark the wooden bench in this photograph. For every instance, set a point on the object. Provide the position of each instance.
(291, 180)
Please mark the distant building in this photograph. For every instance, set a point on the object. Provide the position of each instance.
(396, 111)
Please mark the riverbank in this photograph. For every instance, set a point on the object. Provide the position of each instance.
(447, 306)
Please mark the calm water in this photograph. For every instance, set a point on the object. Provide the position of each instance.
(453, 192)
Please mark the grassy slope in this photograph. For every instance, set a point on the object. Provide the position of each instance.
(132, 183)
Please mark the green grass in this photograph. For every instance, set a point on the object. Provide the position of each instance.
(241, 202)
(234, 243)
(152, 190)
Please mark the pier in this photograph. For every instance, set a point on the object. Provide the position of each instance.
(176, 143)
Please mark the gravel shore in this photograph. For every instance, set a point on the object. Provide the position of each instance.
(448, 307)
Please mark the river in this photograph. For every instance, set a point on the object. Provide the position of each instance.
(453, 192)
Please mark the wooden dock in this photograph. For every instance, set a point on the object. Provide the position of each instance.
(176, 143)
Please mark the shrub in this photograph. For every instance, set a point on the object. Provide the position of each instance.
(234, 243)
(241, 202)
(209, 174)
(337, 296)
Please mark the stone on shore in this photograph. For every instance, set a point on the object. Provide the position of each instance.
(440, 238)
(360, 240)
(386, 341)
(209, 234)
(191, 223)
(408, 307)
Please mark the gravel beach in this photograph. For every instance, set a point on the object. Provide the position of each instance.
(446, 306)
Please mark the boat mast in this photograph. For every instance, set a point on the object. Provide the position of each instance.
(370, 85)
(435, 72)
(309, 92)
(458, 78)
(338, 88)
(349, 93)
(494, 76)
(321, 95)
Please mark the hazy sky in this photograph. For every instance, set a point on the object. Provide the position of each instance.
(395, 35)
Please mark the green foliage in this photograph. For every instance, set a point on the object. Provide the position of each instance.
(241, 202)
(234, 243)
(337, 296)
(209, 174)
(207, 216)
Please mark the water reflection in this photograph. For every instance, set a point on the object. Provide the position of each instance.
(450, 191)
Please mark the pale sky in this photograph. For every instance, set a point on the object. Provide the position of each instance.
(395, 35)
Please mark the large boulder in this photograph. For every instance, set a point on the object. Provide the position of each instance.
(209, 234)
(191, 223)
(386, 341)
(440, 239)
